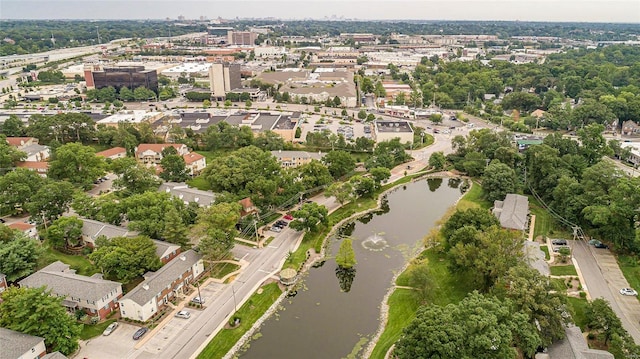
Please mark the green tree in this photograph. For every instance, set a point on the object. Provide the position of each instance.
(13, 127)
(437, 160)
(17, 188)
(65, 232)
(362, 114)
(379, 175)
(593, 144)
(602, 319)
(77, 164)
(477, 327)
(206, 103)
(126, 94)
(498, 180)
(346, 257)
(175, 231)
(133, 178)
(35, 312)
(309, 216)
(339, 163)
(215, 230)
(125, 258)
(342, 191)
(50, 201)
(174, 169)
(146, 211)
(19, 256)
(363, 186)
(9, 155)
(477, 218)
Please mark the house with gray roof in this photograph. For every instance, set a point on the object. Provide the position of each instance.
(187, 194)
(94, 295)
(166, 251)
(158, 288)
(91, 230)
(16, 345)
(574, 346)
(513, 212)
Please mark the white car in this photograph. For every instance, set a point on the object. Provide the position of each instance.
(197, 300)
(628, 291)
(110, 328)
(183, 314)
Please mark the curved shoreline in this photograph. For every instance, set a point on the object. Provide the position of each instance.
(311, 260)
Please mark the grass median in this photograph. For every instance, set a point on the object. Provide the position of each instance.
(249, 313)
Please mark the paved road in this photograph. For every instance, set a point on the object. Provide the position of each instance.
(604, 279)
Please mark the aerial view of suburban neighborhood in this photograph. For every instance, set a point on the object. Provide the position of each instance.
(320, 184)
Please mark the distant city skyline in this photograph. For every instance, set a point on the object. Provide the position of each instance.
(619, 11)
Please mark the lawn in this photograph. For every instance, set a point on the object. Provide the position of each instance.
(545, 249)
(251, 311)
(219, 270)
(474, 198)
(630, 267)
(546, 225)
(90, 331)
(563, 270)
(199, 183)
(578, 305)
(80, 263)
(447, 288)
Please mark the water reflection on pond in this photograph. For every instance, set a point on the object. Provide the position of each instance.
(335, 310)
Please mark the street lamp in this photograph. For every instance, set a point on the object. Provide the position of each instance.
(199, 296)
(235, 307)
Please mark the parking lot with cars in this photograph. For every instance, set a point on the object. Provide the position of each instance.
(350, 130)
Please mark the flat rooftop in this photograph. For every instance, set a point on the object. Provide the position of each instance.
(393, 126)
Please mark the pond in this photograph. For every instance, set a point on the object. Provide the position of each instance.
(335, 313)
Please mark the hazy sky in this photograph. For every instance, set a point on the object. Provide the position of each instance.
(524, 10)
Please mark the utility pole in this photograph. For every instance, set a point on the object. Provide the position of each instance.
(98, 31)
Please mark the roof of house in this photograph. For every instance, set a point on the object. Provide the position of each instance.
(94, 229)
(33, 149)
(54, 355)
(112, 151)
(187, 194)
(157, 147)
(18, 141)
(21, 226)
(512, 212)
(164, 248)
(15, 344)
(155, 282)
(62, 280)
(192, 157)
(297, 154)
(33, 165)
(575, 346)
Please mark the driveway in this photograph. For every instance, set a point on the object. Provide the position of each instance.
(604, 279)
(118, 345)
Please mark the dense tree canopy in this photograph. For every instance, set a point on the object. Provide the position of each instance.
(125, 258)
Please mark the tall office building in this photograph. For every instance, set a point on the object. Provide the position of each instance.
(98, 76)
(224, 77)
(241, 38)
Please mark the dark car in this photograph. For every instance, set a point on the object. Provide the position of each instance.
(601, 245)
(139, 333)
(2, 220)
(559, 242)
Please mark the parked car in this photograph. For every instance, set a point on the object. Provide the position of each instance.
(183, 314)
(601, 245)
(628, 291)
(276, 229)
(197, 300)
(559, 242)
(558, 248)
(139, 333)
(110, 328)
(288, 217)
(594, 241)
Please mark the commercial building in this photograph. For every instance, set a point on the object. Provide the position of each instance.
(99, 76)
(223, 78)
(241, 38)
(292, 159)
(388, 130)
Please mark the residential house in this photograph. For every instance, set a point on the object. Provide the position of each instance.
(292, 159)
(16, 345)
(28, 229)
(194, 163)
(630, 128)
(91, 230)
(29, 145)
(247, 207)
(188, 194)
(158, 288)
(41, 168)
(166, 251)
(151, 153)
(574, 345)
(96, 296)
(113, 153)
(513, 212)
(634, 153)
(3, 283)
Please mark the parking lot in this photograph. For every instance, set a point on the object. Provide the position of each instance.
(350, 130)
(119, 344)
